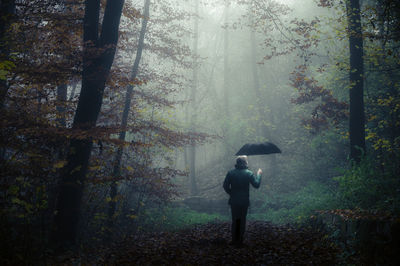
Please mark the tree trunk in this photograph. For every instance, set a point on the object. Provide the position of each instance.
(7, 11)
(73, 90)
(226, 91)
(98, 56)
(263, 130)
(256, 79)
(357, 131)
(61, 100)
(226, 62)
(125, 114)
(192, 148)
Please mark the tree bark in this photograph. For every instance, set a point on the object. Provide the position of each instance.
(356, 75)
(61, 100)
(98, 57)
(7, 11)
(125, 114)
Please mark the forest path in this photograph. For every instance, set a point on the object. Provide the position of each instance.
(265, 244)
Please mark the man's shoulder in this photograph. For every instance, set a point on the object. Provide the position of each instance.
(232, 171)
(249, 172)
(240, 172)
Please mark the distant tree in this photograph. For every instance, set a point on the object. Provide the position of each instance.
(192, 147)
(98, 56)
(281, 38)
(263, 130)
(226, 60)
(127, 105)
(330, 107)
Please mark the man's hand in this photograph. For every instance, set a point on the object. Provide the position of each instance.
(259, 172)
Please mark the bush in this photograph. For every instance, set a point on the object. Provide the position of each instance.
(366, 186)
(176, 218)
(297, 207)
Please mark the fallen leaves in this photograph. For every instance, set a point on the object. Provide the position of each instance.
(265, 244)
(358, 214)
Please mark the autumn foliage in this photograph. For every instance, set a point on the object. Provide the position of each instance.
(42, 81)
(328, 110)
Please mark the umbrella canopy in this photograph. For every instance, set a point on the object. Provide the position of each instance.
(258, 149)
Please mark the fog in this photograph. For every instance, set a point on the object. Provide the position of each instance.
(229, 67)
(228, 105)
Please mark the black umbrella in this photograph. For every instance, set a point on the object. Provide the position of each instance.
(258, 149)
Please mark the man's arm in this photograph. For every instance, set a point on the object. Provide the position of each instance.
(255, 180)
(227, 185)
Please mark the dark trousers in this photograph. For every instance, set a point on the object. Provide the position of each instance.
(239, 213)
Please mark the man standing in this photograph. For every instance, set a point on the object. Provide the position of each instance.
(236, 184)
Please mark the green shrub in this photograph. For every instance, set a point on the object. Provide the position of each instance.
(366, 186)
(298, 206)
(175, 218)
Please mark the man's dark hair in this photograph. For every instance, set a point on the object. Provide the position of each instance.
(241, 162)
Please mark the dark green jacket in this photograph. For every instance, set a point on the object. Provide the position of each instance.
(237, 183)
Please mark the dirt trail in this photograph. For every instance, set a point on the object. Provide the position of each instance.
(265, 244)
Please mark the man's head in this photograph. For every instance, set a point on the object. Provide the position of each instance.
(241, 162)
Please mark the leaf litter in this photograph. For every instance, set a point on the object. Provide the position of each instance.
(208, 244)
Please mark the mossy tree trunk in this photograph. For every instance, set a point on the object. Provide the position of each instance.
(356, 75)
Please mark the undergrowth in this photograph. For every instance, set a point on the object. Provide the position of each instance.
(176, 218)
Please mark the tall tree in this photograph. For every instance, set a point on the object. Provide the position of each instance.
(62, 89)
(125, 114)
(98, 56)
(263, 129)
(192, 148)
(226, 89)
(357, 131)
(226, 59)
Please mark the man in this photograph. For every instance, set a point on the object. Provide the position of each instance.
(236, 184)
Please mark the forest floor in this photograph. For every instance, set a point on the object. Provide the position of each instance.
(208, 244)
